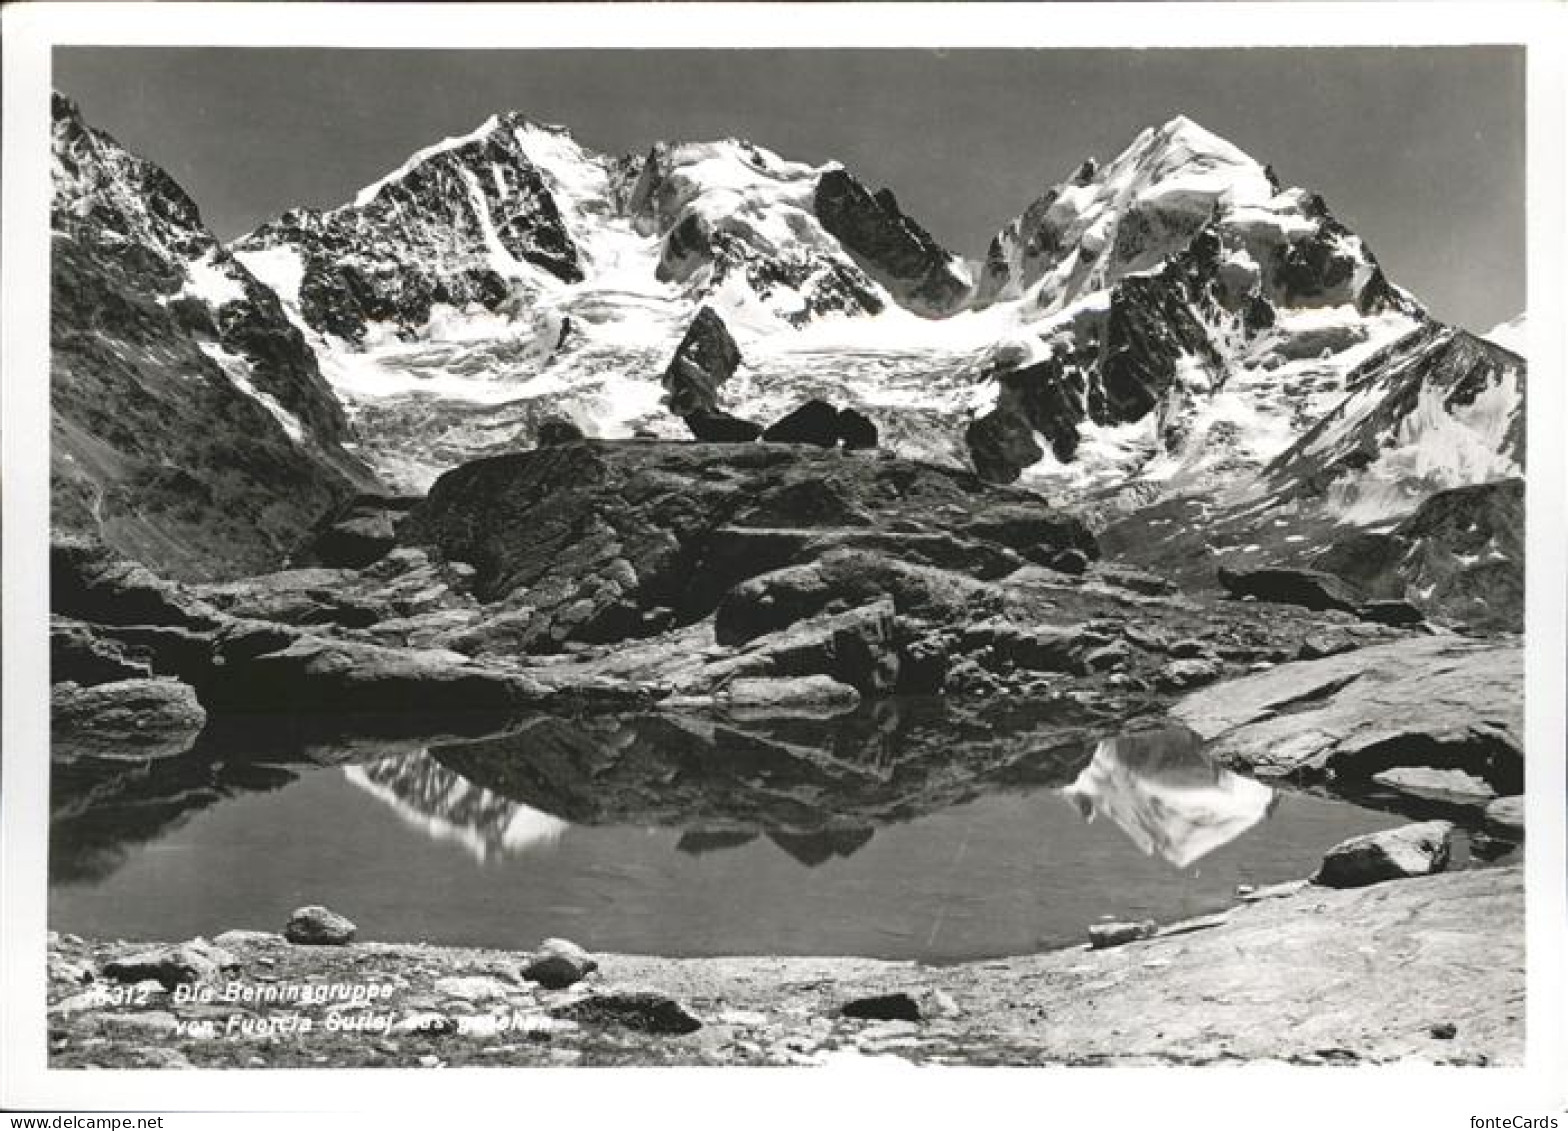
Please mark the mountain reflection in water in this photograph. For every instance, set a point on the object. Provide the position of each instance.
(818, 789)
(446, 807)
(909, 829)
(1167, 796)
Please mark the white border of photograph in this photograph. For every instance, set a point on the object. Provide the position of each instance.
(888, 1094)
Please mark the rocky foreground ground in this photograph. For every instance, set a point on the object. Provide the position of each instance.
(707, 586)
(1428, 969)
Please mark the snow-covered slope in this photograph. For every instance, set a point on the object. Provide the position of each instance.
(510, 275)
(1172, 322)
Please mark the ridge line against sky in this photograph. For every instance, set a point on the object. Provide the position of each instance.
(1420, 150)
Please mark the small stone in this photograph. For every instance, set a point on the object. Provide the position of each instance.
(1102, 935)
(1444, 1030)
(248, 938)
(938, 1003)
(1271, 891)
(317, 926)
(1411, 850)
(159, 1057)
(883, 1007)
(474, 988)
(559, 963)
(146, 1023)
(426, 1022)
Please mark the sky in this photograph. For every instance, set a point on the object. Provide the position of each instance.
(1419, 150)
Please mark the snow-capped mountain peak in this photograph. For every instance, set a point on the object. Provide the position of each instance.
(1172, 319)
(1134, 212)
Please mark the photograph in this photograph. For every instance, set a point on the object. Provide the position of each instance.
(843, 556)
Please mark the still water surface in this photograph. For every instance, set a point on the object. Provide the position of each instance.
(642, 834)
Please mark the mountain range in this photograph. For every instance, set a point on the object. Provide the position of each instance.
(1171, 341)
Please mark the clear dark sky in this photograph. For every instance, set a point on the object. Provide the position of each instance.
(1420, 150)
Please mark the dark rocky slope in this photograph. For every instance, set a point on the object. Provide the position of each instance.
(190, 426)
(605, 540)
(1460, 557)
(891, 246)
(440, 232)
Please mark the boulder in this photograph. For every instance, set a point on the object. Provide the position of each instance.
(706, 358)
(718, 427)
(131, 719)
(1323, 643)
(77, 654)
(1312, 589)
(856, 432)
(557, 431)
(1397, 613)
(815, 422)
(1394, 854)
(898, 1006)
(319, 674)
(559, 963)
(317, 926)
(1002, 444)
(356, 534)
(171, 965)
(1033, 529)
(477, 988)
(646, 1011)
(89, 582)
(1438, 701)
